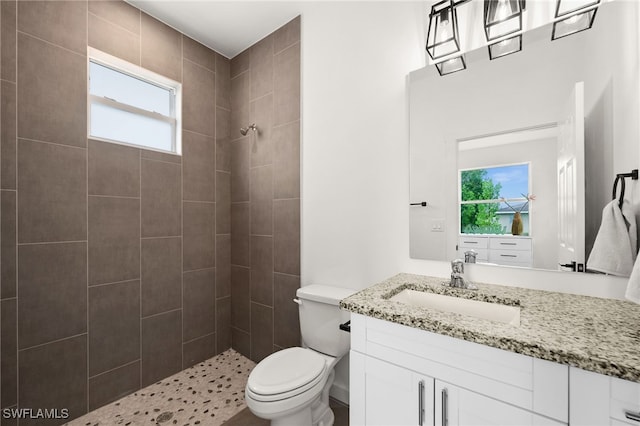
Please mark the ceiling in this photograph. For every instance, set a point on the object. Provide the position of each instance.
(228, 27)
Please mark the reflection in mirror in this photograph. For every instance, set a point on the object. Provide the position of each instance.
(518, 110)
(494, 198)
(518, 166)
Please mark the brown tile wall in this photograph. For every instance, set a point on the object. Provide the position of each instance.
(114, 261)
(265, 194)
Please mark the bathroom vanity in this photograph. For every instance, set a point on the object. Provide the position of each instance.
(565, 359)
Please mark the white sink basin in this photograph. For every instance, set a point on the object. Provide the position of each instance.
(474, 308)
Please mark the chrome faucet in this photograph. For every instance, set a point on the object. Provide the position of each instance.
(457, 280)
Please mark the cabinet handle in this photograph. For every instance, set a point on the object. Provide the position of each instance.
(445, 408)
(632, 415)
(508, 255)
(508, 244)
(470, 242)
(420, 402)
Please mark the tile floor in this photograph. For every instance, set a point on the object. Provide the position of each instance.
(208, 393)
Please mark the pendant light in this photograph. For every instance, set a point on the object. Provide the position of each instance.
(502, 17)
(449, 66)
(573, 16)
(442, 37)
(505, 47)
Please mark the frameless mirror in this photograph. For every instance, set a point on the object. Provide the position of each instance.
(498, 140)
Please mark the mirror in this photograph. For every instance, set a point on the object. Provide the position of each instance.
(510, 111)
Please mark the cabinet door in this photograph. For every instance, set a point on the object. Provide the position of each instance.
(455, 406)
(395, 396)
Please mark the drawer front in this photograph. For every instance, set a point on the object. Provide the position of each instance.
(509, 256)
(625, 397)
(510, 243)
(473, 242)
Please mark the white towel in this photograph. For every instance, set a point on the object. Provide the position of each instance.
(633, 286)
(615, 248)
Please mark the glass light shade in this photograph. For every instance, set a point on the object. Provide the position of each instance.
(505, 47)
(502, 17)
(573, 24)
(451, 65)
(567, 7)
(442, 38)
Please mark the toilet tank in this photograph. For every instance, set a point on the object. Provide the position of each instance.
(320, 317)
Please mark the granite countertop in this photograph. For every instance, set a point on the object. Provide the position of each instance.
(595, 334)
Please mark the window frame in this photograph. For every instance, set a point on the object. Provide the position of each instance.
(493, 201)
(134, 71)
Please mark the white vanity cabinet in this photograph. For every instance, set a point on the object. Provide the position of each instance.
(483, 385)
(456, 406)
(597, 399)
(384, 385)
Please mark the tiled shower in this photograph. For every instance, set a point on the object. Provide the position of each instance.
(121, 266)
(265, 194)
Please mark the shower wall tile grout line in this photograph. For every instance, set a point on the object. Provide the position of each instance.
(49, 42)
(102, 373)
(62, 339)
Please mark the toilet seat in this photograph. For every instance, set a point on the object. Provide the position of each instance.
(285, 374)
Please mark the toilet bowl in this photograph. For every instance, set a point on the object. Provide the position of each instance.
(291, 387)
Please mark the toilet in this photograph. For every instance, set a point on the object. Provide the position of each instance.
(291, 387)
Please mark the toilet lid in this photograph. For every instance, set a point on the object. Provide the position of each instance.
(286, 370)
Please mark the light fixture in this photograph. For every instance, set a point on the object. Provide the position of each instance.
(449, 66)
(577, 15)
(503, 25)
(442, 37)
(505, 47)
(502, 17)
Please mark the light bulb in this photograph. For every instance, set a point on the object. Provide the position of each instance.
(503, 10)
(445, 26)
(574, 19)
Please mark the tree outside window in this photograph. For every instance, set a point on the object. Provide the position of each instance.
(488, 197)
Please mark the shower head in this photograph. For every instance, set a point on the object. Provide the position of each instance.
(245, 130)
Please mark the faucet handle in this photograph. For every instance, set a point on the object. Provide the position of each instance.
(457, 266)
(470, 256)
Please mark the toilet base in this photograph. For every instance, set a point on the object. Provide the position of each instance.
(326, 419)
(317, 413)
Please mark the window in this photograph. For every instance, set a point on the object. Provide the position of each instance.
(131, 105)
(490, 197)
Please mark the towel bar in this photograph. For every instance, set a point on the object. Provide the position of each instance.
(620, 177)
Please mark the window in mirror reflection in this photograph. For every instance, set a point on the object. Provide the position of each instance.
(490, 197)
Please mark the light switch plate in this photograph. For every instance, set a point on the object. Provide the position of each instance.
(437, 225)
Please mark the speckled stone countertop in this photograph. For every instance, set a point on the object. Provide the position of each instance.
(595, 334)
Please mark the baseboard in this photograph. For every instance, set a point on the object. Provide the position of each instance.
(340, 393)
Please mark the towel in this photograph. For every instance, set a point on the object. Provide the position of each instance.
(615, 248)
(633, 286)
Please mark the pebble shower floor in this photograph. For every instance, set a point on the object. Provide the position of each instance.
(207, 394)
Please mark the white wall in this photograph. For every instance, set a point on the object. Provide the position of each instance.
(355, 60)
(355, 182)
